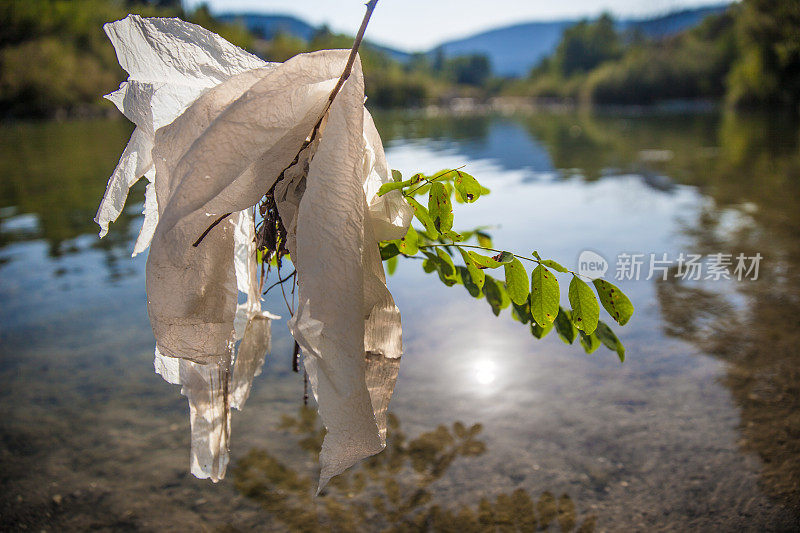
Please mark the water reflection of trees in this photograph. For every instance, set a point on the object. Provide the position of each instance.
(401, 125)
(596, 143)
(752, 325)
(57, 171)
(393, 490)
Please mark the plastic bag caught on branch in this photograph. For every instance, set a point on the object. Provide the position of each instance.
(218, 127)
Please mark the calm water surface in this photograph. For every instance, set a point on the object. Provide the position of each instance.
(699, 429)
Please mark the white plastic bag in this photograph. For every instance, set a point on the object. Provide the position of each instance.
(215, 128)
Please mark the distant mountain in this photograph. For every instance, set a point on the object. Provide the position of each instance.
(514, 50)
(267, 26)
(397, 55)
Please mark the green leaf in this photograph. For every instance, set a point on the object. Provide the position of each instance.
(585, 309)
(389, 250)
(408, 244)
(444, 268)
(564, 327)
(422, 190)
(504, 257)
(456, 277)
(589, 342)
(448, 268)
(517, 281)
(443, 175)
(483, 261)
(522, 312)
(545, 296)
(610, 340)
(396, 175)
(440, 208)
(469, 282)
(484, 239)
(477, 275)
(555, 266)
(423, 216)
(429, 265)
(467, 186)
(391, 265)
(540, 332)
(453, 236)
(614, 301)
(496, 295)
(391, 186)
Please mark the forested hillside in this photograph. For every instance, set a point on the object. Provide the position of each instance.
(748, 55)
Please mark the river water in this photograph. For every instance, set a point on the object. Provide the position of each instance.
(698, 429)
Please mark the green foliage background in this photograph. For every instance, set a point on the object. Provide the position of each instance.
(55, 59)
(748, 56)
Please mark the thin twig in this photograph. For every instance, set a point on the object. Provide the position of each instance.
(203, 236)
(286, 301)
(294, 273)
(305, 387)
(499, 252)
(296, 358)
(426, 181)
(348, 68)
(350, 60)
(345, 75)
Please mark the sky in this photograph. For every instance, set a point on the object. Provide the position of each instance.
(418, 25)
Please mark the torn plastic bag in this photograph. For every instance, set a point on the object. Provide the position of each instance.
(220, 155)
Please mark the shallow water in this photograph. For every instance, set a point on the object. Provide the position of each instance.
(698, 429)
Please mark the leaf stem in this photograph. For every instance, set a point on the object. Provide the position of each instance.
(532, 260)
(410, 194)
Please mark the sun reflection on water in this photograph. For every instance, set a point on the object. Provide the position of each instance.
(485, 371)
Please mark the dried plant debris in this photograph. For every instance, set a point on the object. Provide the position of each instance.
(219, 135)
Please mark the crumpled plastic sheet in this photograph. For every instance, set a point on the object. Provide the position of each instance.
(169, 63)
(216, 126)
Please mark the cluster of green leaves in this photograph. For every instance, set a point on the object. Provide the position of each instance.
(534, 298)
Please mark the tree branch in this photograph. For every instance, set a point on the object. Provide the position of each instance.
(350, 60)
(345, 74)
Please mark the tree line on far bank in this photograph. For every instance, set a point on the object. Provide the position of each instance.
(55, 59)
(748, 56)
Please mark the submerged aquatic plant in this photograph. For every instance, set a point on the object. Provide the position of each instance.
(396, 490)
(248, 162)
